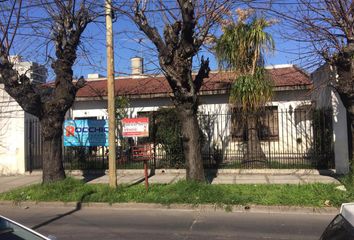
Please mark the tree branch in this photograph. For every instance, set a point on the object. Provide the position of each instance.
(202, 73)
(151, 32)
(19, 87)
(188, 26)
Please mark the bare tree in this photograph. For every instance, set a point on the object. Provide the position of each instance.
(67, 21)
(178, 33)
(327, 28)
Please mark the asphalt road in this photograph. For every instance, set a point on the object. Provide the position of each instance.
(107, 223)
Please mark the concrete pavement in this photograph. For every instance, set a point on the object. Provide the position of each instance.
(10, 182)
(229, 176)
(224, 176)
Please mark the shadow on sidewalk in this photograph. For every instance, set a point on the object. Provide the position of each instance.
(210, 175)
(90, 175)
(152, 173)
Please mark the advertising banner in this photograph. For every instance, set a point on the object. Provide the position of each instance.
(135, 127)
(85, 133)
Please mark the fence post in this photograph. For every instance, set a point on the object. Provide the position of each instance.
(153, 127)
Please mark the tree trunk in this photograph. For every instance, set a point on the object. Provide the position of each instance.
(255, 156)
(51, 132)
(191, 142)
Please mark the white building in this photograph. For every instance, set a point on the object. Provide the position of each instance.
(13, 121)
(326, 97)
(289, 134)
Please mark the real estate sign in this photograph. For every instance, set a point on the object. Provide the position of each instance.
(85, 133)
(135, 127)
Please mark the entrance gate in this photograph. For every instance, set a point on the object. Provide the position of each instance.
(33, 145)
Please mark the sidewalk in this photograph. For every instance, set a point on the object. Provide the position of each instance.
(10, 182)
(227, 176)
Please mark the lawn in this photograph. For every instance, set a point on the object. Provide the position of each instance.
(69, 190)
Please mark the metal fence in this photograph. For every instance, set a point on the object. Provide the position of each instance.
(33, 145)
(96, 158)
(302, 138)
(271, 139)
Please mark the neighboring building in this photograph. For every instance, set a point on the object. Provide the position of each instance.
(13, 120)
(326, 97)
(35, 72)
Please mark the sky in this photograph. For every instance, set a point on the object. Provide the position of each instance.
(128, 43)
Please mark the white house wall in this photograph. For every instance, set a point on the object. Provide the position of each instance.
(98, 108)
(12, 148)
(326, 96)
(292, 139)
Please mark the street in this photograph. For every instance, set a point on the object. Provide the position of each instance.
(166, 224)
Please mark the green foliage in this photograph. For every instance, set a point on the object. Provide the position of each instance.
(241, 49)
(251, 92)
(166, 130)
(348, 182)
(184, 192)
(323, 137)
(231, 48)
(122, 104)
(243, 44)
(66, 190)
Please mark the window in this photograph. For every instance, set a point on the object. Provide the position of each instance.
(238, 126)
(267, 124)
(303, 113)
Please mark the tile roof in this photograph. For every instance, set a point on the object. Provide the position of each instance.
(282, 77)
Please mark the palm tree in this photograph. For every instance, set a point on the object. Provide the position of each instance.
(241, 49)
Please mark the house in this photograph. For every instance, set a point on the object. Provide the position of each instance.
(290, 135)
(286, 132)
(14, 121)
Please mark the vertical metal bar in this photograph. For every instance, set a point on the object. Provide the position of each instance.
(31, 158)
(322, 138)
(27, 145)
(297, 154)
(282, 156)
(154, 140)
(36, 153)
(271, 129)
(277, 153)
(146, 175)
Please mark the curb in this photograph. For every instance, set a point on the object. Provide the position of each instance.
(162, 171)
(186, 207)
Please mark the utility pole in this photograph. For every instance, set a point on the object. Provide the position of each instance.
(111, 101)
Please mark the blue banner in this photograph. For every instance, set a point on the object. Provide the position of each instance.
(85, 133)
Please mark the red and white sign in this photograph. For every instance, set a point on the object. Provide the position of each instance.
(135, 127)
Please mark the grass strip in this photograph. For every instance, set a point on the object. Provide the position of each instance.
(183, 192)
